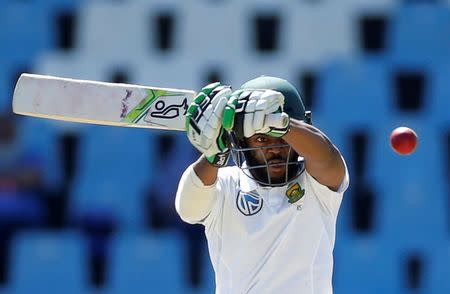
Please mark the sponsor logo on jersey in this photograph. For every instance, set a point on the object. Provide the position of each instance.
(295, 192)
(249, 203)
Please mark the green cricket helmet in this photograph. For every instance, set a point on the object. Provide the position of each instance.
(244, 156)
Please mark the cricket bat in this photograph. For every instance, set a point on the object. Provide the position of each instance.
(101, 103)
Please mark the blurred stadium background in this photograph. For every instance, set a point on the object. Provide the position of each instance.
(89, 209)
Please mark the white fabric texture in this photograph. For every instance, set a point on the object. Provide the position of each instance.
(258, 241)
(194, 200)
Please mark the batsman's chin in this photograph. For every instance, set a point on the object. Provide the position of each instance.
(277, 171)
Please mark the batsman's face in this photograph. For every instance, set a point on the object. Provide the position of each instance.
(270, 151)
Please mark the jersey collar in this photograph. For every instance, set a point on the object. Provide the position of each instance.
(247, 184)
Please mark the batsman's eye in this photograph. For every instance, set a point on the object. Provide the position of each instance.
(260, 139)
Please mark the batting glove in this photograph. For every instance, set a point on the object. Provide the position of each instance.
(250, 112)
(204, 123)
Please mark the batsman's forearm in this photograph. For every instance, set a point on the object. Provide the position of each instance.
(309, 142)
(205, 171)
(322, 159)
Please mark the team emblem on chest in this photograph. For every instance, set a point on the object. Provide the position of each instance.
(249, 203)
(294, 193)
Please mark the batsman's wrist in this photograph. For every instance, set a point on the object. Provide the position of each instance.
(219, 159)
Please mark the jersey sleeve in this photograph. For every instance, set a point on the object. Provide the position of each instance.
(197, 203)
(329, 199)
(194, 200)
(226, 181)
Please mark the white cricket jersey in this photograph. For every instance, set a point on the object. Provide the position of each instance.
(272, 240)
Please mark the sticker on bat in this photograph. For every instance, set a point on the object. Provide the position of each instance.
(143, 109)
(169, 112)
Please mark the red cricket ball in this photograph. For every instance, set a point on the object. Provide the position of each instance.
(403, 140)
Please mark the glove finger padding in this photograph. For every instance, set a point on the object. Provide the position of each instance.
(257, 111)
(278, 122)
(204, 121)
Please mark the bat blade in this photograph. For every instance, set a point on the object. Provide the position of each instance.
(102, 103)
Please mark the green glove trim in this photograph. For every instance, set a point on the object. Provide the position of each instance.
(228, 118)
(192, 109)
(277, 133)
(230, 111)
(187, 121)
(200, 97)
(221, 142)
(209, 88)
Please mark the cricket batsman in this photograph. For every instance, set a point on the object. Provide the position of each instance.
(269, 220)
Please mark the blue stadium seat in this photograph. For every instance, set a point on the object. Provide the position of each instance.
(123, 152)
(114, 171)
(208, 284)
(365, 266)
(29, 28)
(109, 194)
(9, 68)
(25, 30)
(18, 210)
(419, 33)
(147, 264)
(58, 4)
(410, 189)
(40, 136)
(43, 262)
(349, 88)
(439, 269)
(5, 89)
(440, 94)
